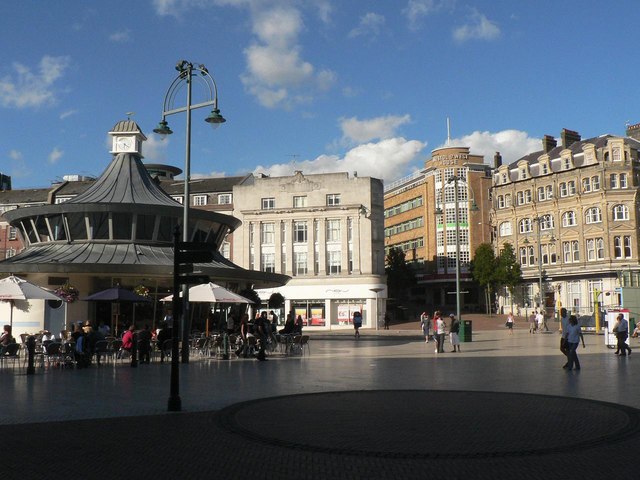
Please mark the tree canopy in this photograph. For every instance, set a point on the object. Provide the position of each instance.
(400, 276)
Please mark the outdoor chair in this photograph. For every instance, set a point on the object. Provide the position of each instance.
(101, 351)
(304, 342)
(11, 354)
(52, 354)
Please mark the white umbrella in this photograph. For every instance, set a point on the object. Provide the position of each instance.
(15, 288)
(212, 293)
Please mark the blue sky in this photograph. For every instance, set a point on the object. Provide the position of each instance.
(311, 85)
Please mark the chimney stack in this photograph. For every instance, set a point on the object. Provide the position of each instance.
(497, 160)
(633, 131)
(548, 143)
(569, 137)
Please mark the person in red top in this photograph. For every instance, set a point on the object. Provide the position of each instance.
(127, 340)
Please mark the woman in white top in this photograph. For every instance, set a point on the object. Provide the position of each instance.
(573, 335)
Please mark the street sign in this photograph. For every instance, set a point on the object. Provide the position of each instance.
(193, 252)
(193, 279)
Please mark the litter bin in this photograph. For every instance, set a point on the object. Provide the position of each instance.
(466, 331)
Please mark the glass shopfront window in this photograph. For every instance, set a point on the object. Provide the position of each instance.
(311, 311)
(346, 309)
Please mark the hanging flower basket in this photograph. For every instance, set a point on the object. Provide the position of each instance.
(67, 292)
(141, 290)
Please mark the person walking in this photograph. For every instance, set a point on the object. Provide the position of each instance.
(357, 323)
(532, 323)
(454, 330)
(425, 323)
(621, 329)
(439, 328)
(564, 324)
(573, 335)
(540, 319)
(387, 320)
(510, 322)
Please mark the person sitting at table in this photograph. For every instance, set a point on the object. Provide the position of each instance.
(165, 333)
(144, 345)
(297, 327)
(243, 347)
(127, 341)
(47, 336)
(289, 325)
(5, 339)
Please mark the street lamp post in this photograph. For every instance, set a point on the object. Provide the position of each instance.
(455, 179)
(538, 220)
(187, 72)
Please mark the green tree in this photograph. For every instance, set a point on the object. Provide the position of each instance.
(484, 267)
(509, 273)
(276, 300)
(400, 276)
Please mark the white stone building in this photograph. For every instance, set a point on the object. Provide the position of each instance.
(326, 231)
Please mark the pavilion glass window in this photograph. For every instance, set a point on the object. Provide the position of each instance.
(78, 226)
(56, 223)
(122, 223)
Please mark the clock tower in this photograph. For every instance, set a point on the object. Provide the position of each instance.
(126, 137)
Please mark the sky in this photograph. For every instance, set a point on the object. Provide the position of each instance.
(312, 85)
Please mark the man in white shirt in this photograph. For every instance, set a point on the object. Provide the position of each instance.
(540, 319)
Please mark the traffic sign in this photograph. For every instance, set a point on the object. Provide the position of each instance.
(193, 252)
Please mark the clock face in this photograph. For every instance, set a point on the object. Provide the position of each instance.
(124, 144)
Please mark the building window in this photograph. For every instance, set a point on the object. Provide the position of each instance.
(595, 249)
(13, 233)
(299, 201)
(505, 229)
(268, 203)
(300, 263)
(563, 190)
(571, 186)
(178, 199)
(586, 185)
(504, 178)
(224, 198)
(541, 194)
(334, 259)
(507, 200)
(544, 168)
(333, 230)
(616, 155)
(569, 219)
(571, 251)
(613, 180)
(622, 246)
(593, 215)
(527, 196)
(225, 250)
(62, 199)
(595, 183)
(523, 256)
(549, 191)
(300, 232)
(403, 207)
(546, 222)
(523, 174)
(548, 255)
(532, 258)
(268, 235)
(333, 199)
(268, 261)
(500, 201)
(620, 212)
(623, 180)
(199, 200)
(10, 252)
(566, 163)
(525, 225)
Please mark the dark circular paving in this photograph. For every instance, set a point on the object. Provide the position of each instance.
(431, 424)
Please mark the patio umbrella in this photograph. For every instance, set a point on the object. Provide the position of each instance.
(15, 288)
(117, 294)
(211, 293)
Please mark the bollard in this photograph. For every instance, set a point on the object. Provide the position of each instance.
(134, 351)
(31, 352)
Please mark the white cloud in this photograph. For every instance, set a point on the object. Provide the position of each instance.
(122, 36)
(68, 113)
(416, 10)
(154, 148)
(55, 155)
(388, 159)
(359, 131)
(32, 89)
(478, 28)
(370, 25)
(19, 168)
(277, 74)
(512, 144)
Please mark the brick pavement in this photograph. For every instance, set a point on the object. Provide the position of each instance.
(377, 408)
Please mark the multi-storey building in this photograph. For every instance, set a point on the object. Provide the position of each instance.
(323, 230)
(570, 212)
(423, 219)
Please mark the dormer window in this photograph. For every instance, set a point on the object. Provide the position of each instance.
(544, 168)
(566, 163)
(523, 174)
(616, 154)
